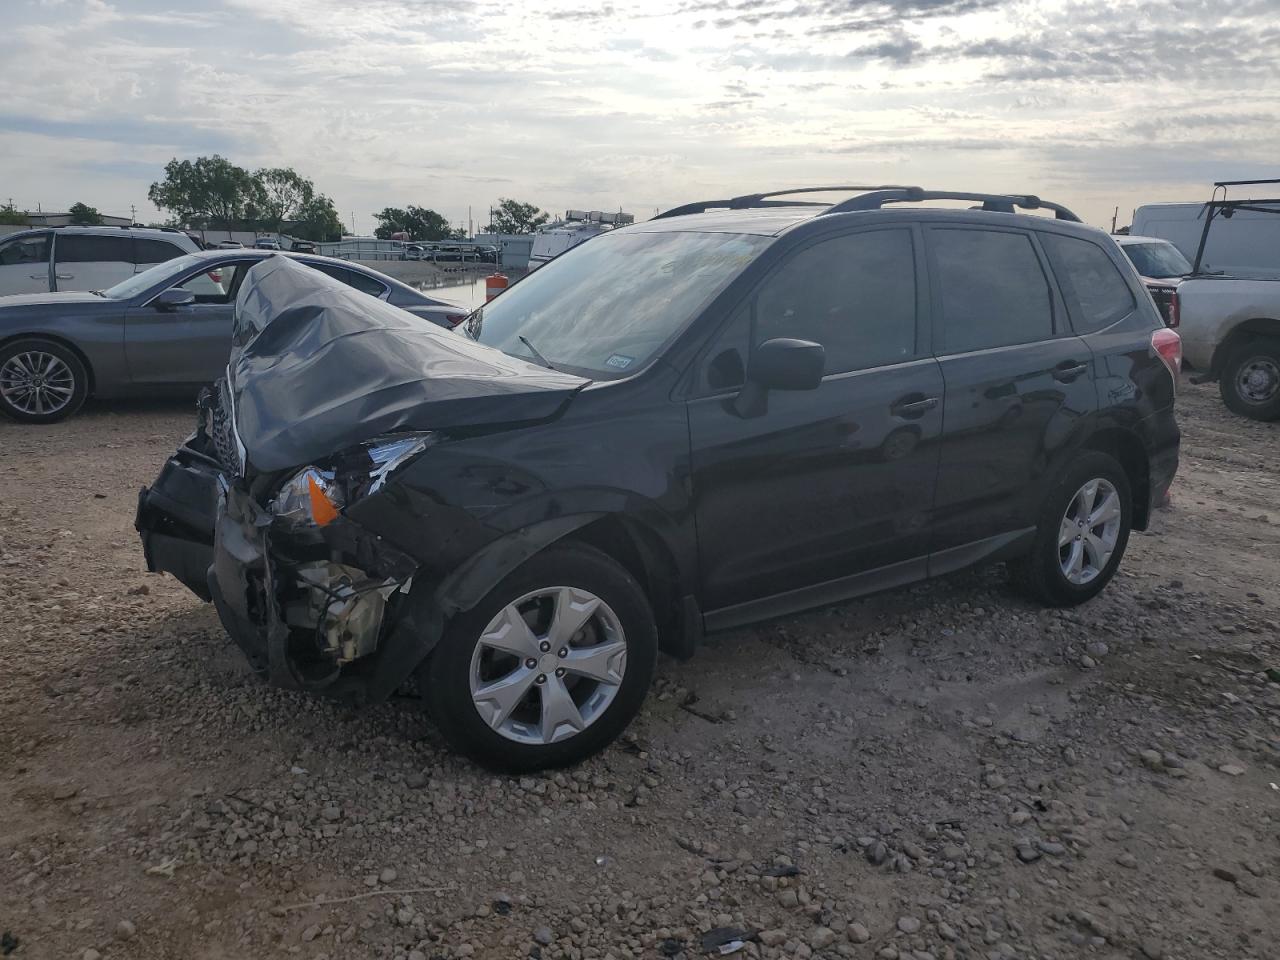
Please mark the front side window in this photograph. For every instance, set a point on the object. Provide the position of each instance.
(218, 284)
(855, 295)
(32, 249)
(993, 289)
(87, 248)
(1096, 292)
(141, 282)
(605, 308)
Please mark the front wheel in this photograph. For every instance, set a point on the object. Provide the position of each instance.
(1080, 538)
(41, 381)
(1250, 381)
(549, 667)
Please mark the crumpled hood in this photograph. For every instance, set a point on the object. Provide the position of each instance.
(317, 367)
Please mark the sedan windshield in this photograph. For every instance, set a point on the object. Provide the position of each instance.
(129, 288)
(606, 307)
(1157, 260)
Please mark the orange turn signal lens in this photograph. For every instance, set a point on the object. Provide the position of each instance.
(322, 509)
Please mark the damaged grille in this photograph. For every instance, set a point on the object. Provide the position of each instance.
(221, 431)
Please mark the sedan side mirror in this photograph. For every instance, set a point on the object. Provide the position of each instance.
(780, 364)
(173, 298)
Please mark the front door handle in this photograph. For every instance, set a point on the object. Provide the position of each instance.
(912, 406)
(39, 276)
(65, 276)
(1069, 370)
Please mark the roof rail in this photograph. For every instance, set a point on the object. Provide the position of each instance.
(872, 198)
(752, 201)
(998, 202)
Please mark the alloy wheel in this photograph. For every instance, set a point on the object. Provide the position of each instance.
(1089, 531)
(548, 665)
(36, 382)
(1258, 379)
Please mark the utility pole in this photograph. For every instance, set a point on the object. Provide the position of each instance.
(133, 214)
(1113, 219)
(353, 223)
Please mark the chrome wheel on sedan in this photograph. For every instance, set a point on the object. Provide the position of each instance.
(41, 380)
(1089, 531)
(548, 665)
(36, 383)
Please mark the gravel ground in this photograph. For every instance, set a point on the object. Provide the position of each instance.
(943, 771)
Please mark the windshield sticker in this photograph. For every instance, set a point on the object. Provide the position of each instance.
(619, 362)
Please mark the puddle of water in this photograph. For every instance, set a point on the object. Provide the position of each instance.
(466, 290)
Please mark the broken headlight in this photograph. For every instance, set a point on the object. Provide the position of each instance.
(314, 496)
(310, 498)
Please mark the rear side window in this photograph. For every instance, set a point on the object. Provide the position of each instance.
(351, 278)
(994, 292)
(1096, 292)
(79, 248)
(155, 251)
(855, 295)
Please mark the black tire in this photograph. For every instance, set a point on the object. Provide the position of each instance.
(1039, 573)
(445, 678)
(1262, 357)
(12, 365)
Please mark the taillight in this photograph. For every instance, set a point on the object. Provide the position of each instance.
(1168, 347)
(1175, 310)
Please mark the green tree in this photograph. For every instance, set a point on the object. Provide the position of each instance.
(85, 215)
(318, 220)
(512, 216)
(205, 191)
(12, 216)
(280, 195)
(419, 222)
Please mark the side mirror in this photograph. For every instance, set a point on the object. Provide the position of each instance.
(173, 298)
(780, 364)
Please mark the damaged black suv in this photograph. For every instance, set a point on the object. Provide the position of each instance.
(737, 410)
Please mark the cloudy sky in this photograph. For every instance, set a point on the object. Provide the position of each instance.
(641, 104)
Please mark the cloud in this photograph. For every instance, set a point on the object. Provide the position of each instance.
(607, 103)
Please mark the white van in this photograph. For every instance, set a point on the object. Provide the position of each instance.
(1246, 244)
(83, 258)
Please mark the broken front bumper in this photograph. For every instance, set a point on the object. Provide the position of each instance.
(329, 608)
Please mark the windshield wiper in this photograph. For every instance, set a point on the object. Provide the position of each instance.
(97, 293)
(534, 350)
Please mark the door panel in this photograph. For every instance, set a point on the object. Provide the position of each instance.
(24, 265)
(190, 344)
(90, 261)
(1009, 406)
(827, 484)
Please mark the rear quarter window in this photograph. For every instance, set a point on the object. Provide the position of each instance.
(155, 251)
(1096, 292)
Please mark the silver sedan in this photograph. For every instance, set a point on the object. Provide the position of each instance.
(165, 330)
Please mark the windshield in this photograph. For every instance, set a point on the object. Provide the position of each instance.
(606, 307)
(131, 287)
(1157, 259)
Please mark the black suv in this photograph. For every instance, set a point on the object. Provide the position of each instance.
(737, 410)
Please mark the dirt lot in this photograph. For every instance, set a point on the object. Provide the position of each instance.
(939, 772)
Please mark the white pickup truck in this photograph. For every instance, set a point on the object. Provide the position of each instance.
(1230, 324)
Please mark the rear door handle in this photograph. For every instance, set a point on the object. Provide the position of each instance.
(1069, 370)
(39, 276)
(913, 406)
(65, 276)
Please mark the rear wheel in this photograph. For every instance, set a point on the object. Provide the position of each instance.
(1081, 536)
(41, 381)
(1250, 380)
(549, 667)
